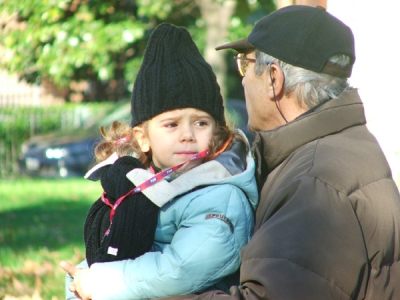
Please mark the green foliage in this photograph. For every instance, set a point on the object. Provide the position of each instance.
(42, 224)
(100, 41)
(247, 15)
(62, 41)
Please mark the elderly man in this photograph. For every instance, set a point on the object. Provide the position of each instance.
(328, 220)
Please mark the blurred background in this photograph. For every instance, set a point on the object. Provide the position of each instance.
(67, 67)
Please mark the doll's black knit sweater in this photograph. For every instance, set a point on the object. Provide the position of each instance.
(132, 231)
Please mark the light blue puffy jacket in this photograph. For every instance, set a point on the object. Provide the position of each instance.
(206, 217)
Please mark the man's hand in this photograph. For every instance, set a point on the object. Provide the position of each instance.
(82, 286)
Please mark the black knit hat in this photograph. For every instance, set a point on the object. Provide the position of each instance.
(174, 75)
(302, 36)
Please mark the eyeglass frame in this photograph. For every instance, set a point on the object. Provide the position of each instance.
(242, 63)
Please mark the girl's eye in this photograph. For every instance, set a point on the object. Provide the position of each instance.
(170, 125)
(201, 123)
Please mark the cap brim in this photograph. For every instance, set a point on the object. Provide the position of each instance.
(241, 46)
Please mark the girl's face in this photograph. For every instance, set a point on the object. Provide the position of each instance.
(176, 136)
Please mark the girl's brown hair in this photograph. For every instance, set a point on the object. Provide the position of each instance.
(120, 130)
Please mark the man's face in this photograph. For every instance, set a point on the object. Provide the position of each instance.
(260, 108)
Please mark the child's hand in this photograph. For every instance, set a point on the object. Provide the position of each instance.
(81, 286)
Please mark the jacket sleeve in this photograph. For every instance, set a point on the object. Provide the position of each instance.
(302, 248)
(69, 279)
(202, 251)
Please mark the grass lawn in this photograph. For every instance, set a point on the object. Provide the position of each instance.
(41, 224)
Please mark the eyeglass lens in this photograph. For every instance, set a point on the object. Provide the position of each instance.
(242, 64)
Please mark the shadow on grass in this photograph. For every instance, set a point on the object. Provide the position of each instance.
(51, 225)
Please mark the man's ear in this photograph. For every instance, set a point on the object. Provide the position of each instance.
(141, 137)
(275, 82)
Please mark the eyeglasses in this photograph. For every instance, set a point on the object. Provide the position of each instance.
(242, 63)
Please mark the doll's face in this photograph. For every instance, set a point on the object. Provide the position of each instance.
(176, 136)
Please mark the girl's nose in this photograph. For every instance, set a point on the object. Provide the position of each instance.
(187, 134)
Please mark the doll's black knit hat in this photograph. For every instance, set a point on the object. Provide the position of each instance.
(174, 75)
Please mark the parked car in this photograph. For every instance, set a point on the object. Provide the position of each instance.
(71, 153)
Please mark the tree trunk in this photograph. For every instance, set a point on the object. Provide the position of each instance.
(217, 15)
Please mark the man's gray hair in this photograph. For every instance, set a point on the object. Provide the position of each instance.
(310, 88)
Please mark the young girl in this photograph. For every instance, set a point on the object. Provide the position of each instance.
(179, 184)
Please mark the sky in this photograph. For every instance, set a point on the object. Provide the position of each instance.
(376, 26)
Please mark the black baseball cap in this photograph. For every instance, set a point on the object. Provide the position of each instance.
(303, 36)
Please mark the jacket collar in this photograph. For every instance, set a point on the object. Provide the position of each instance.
(272, 147)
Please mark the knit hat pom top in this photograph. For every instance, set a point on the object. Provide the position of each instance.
(174, 75)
